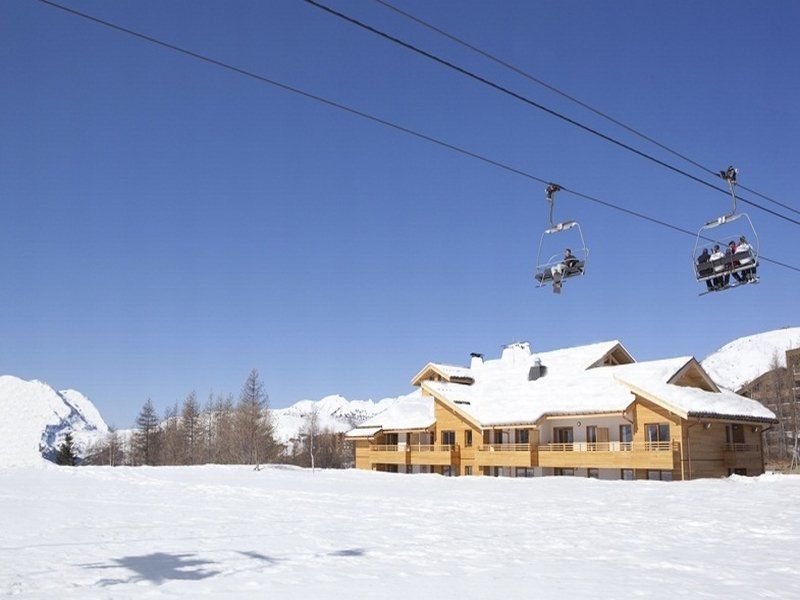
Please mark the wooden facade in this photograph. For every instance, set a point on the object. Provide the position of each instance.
(647, 440)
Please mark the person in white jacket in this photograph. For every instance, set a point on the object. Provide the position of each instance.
(719, 282)
(749, 274)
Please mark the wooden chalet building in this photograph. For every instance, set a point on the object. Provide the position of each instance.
(589, 411)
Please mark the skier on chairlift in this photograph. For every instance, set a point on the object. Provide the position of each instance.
(565, 265)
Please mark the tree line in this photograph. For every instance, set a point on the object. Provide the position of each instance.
(224, 431)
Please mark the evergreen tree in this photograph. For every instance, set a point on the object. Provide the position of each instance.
(66, 452)
(146, 439)
(253, 426)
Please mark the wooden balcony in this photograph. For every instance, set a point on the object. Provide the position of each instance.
(741, 454)
(507, 455)
(610, 455)
(388, 454)
(442, 454)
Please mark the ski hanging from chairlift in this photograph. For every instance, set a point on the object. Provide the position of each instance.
(716, 261)
(570, 261)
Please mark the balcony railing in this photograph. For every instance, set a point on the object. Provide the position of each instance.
(504, 448)
(387, 448)
(741, 447)
(433, 447)
(609, 447)
(414, 447)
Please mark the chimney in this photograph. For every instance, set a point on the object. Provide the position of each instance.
(475, 361)
(516, 353)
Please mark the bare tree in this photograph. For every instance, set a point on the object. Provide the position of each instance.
(113, 449)
(311, 430)
(225, 450)
(172, 444)
(190, 429)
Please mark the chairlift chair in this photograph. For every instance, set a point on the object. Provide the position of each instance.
(742, 264)
(556, 269)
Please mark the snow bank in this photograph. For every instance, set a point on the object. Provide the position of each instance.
(746, 358)
(35, 419)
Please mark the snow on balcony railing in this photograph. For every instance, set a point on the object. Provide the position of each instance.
(609, 447)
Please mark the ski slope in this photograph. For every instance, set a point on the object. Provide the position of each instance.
(746, 358)
(232, 532)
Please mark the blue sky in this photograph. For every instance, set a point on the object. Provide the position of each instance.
(168, 225)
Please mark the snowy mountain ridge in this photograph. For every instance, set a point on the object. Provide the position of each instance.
(335, 413)
(746, 358)
(36, 418)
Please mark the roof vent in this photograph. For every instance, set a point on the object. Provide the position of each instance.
(537, 370)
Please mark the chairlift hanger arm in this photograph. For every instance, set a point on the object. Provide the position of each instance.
(552, 188)
(728, 175)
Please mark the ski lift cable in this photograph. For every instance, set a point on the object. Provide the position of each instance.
(537, 105)
(571, 98)
(379, 120)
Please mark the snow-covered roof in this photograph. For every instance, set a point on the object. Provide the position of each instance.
(503, 395)
(413, 411)
(745, 359)
(362, 432)
(449, 372)
(572, 383)
(453, 370)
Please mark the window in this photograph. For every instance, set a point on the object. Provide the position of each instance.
(447, 471)
(391, 439)
(593, 473)
(468, 469)
(734, 434)
(563, 472)
(659, 475)
(562, 435)
(522, 436)
(627, 474)
(625, 434)
(591, 434)
(737, 472)
(448, 438)
(524, 472)
(657, 432)
(468, 437)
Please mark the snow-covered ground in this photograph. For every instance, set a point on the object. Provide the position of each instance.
(232, 532)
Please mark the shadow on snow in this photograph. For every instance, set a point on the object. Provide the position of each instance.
(157, 568)
(160, 567)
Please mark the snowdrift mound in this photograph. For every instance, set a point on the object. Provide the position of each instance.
(744, 359)
(35, 419)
